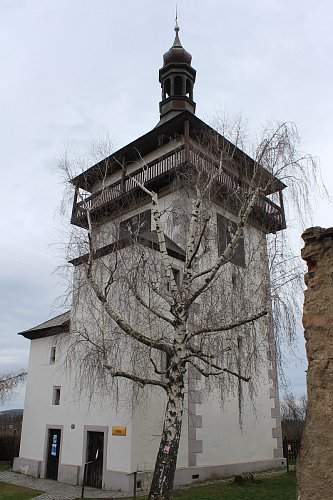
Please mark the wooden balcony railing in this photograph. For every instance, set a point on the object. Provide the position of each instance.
(110, 193)
(232, 183)
(158, 169)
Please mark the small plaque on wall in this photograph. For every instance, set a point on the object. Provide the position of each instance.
(119, 430)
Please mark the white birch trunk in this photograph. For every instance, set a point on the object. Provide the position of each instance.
(166, 460)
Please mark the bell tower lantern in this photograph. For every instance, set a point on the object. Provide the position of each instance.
(177, 79)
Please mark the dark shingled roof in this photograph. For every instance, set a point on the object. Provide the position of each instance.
(58, 324)
(151, 141)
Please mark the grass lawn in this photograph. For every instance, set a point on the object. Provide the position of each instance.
(279, 487)
(5, 466)
(13, 492)
(275, 486)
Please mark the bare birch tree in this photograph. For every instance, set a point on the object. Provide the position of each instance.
(9, 381)
(293, 413)
(156, 305)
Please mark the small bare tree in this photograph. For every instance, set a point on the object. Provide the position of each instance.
(293, 412)
(9, 381)
(158, 304)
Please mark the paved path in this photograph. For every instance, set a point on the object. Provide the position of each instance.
(55, 490)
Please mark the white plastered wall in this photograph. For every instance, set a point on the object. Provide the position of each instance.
(74, 409)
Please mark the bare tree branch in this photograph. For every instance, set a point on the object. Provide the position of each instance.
(220, 371)
(118, 318)
(229, 251)
(149, 307)
(159, 372)
(135, 378)
(230, 326)
(195, 250)
(159, 229)
(9, 382)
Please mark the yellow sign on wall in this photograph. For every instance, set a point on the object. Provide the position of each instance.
(119, 430)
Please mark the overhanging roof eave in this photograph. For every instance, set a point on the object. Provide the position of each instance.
(53, 326)
(149, 141)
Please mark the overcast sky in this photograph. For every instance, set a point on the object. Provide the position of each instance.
(74, 70)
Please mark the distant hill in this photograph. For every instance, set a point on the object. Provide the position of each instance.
(11, 417)
(16, 411)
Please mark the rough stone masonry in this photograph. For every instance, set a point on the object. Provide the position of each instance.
(315, 466)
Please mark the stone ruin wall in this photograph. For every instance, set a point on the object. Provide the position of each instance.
(315, 466)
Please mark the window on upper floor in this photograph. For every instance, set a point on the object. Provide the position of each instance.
(225, 232)
(52, 355)
(136, 224)
(56, 395)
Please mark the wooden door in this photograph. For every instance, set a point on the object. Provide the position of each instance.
(53, 451)
(95, 448)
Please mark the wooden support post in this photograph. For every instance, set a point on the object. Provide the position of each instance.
(74, 209)
(123, 174)
(283, 215)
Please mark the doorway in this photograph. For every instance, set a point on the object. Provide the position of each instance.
(95, 448)
(53, 453)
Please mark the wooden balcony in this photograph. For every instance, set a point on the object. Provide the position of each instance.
(159, 173)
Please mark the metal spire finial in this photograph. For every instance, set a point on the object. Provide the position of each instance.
(176, 43)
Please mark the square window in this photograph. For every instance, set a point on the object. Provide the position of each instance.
(135, 225)
(56, 396)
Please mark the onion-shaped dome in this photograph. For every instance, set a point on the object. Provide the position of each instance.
(177, 53)
(177, 77)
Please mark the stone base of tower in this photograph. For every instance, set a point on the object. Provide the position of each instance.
(117, 480)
